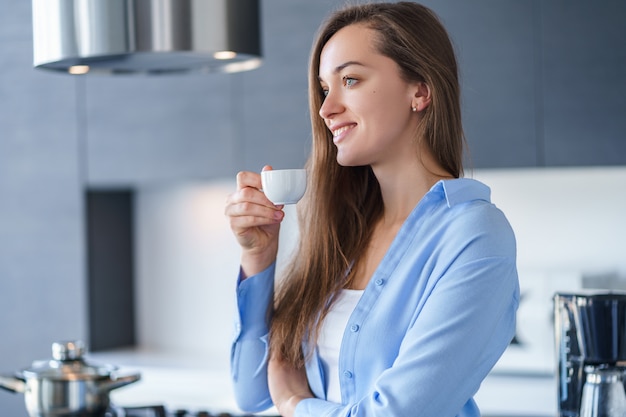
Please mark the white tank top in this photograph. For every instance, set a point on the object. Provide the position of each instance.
(329, 340)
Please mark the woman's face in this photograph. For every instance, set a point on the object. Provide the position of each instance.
(368, 105)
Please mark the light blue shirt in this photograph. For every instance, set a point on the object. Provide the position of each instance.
(435, 317)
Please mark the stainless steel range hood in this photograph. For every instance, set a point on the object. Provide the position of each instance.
(146, 36)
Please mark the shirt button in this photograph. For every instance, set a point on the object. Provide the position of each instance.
(347, 374)
(354, 328)
(379, 282)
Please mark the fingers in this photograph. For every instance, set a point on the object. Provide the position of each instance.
(248, 206)
(248, 179)
(249, 191)
(246, 215)
(255, 222)
(249, 186)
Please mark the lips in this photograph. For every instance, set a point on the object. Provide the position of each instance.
(339, 131)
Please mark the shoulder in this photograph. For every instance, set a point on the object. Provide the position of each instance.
(468, 215)
(468, 199)
(463, 190)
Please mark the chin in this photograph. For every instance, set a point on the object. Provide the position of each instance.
(344, 161)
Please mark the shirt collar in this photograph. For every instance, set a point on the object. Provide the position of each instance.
(461, 190)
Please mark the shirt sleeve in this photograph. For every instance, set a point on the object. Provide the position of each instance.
(249, 350)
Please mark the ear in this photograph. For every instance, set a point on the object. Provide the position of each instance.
(422, 96)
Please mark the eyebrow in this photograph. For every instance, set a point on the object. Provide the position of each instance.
(338, 68)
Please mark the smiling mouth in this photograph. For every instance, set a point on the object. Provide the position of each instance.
(342, 129)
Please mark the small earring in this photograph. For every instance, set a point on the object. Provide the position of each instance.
(414, 109)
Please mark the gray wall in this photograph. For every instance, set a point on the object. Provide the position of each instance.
(530, 75)
(42, 285)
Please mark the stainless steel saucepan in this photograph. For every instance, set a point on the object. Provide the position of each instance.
(66, 385)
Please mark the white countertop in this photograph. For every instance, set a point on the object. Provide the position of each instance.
(176, 380)
(201, 382)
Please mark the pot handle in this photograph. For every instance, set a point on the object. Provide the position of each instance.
(13, 383)
(117, 382)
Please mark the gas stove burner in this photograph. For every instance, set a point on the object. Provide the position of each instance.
(114, 411)
(145, 411)
(161, 411)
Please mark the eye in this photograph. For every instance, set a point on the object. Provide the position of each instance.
(349, 81)
(323, 90)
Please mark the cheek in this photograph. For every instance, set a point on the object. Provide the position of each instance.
(387, 111)
(392, 99)
(382, 108)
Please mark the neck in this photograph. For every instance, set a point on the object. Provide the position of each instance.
(403, 186)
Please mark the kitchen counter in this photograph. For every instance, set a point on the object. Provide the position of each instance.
(200, 382)
(176, 380)
(518, 395)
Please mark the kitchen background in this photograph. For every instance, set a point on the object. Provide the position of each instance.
(149, 160)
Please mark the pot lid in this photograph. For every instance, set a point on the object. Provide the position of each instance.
(68, 363)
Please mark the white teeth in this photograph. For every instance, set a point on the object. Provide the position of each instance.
(341, 130)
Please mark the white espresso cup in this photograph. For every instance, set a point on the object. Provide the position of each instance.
(284, 186)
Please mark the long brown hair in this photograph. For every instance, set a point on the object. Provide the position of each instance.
(343, 203)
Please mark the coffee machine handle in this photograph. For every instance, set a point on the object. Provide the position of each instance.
(570, 358)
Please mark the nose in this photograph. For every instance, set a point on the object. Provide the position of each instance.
(330, 106)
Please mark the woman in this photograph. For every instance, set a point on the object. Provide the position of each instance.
(403, 292)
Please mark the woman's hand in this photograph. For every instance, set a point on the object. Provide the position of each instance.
(288, 386)
(255, 221)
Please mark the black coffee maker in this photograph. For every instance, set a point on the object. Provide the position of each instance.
(590, 331)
